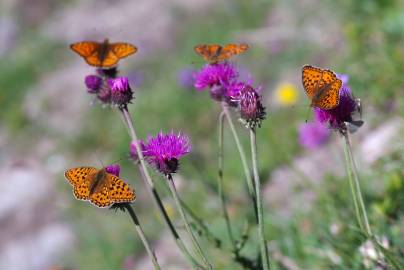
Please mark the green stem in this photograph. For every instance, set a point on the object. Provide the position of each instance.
(261, 232)
(186, 222)
(243, 158)
(142, 236)
(220, 182)
(152, 190)
(356, 183)
(203, 228)
(352, 186)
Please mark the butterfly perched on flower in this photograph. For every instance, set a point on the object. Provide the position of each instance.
(98, 186)
(214, 53)
(105, 54)
(322, 87)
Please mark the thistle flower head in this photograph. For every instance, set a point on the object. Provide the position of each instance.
(93, 83)
(249, 103)
(121, 93)
(114, 169)
(313, 134)
(216, 74)
(164, 151)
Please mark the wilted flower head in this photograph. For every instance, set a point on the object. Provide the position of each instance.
(249, 103)
(121, 93)
(93, 83)
(216, 74)
(164, 151)
(338, 116)
(185, 78)
(313, 134)
(286, 94)
(113, 169)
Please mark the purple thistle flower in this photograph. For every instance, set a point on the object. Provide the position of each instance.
(113, 169)
(337, 116)
(249, 103)
(217, 74)
(133, 151)
(313, 134)
(93, 83)
(185, 78)
(104, 94)
(164, 151)
(121, 93)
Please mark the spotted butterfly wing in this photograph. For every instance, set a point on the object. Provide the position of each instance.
(80, 178)
(209, 52)
(214, 53)
(321, 86)
(105, 54)
(232, 49)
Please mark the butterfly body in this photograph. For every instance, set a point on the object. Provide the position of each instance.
(98, 186)
(103, 54)
(322, 87)
(215, 53)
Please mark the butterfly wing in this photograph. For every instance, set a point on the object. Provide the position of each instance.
(89, 50)
(232, 49)
(329, 97)
(101, 197)
(76, 176)
(209, 52)
(80, 179)
(122, 50)
(109, 60)
(118, 190)
(311, 76)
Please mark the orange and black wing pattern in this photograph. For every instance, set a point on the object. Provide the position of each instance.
(214, 53)
(105, 54)
(89, 50)
(322, 87)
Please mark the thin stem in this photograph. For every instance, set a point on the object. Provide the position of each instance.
(220, 182)
(202, 226)
(352, 186)
(142, 236)
(152, 190)
(186, 222)
(261, 232)
(357, 185)
(243, 158)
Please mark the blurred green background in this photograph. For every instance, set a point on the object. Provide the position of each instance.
(49, 123)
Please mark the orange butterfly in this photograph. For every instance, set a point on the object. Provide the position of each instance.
(322, 87)
(214, 53)
(98, 186)
(103, 54)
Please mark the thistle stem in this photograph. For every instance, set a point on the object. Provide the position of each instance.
(220, 182)
(186, 222)
(261, 232)
(355, 187)
(243, 158)
(152, 190)
(142, 236)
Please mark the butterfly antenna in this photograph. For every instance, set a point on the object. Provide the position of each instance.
(99, 158)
